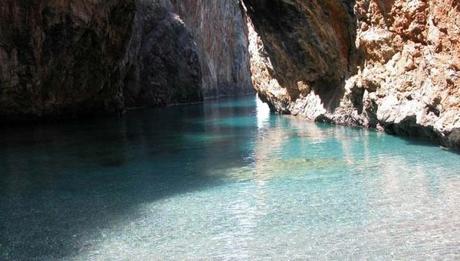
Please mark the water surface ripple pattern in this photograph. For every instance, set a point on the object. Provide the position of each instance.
(223, 180)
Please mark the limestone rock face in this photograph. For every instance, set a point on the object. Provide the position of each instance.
(183, 51)
(62, 57)
(299, 47)
(392, 65)
(220, 33)
(411, 71)
(162, 59)
(400, 72)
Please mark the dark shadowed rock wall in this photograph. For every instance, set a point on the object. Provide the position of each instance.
(220, 32)
(65, 58)
(62, 57)
(162, 58)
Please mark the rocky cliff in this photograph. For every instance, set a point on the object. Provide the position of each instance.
(162, 59)
(182, 51)
(300, 47)
(219, 29)
(62, 58)
(392, 65)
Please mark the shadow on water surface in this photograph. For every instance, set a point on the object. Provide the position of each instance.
(88, 189)
(62, 186)
(425, 142)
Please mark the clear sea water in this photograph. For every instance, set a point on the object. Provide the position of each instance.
(224, 180)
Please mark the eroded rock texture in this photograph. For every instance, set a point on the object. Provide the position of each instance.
(392, 65)
(183, 51)
(62, 57)
(299, 47)
(410, 78)
(162, 59)
(219, 29)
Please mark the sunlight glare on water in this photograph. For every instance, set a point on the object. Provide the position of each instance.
(224, 180)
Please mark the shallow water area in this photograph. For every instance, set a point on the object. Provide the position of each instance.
(223, 180)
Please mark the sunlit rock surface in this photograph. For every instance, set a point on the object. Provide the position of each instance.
(392, 65)
(411, 72)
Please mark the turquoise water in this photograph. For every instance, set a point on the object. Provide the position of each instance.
(224, 180)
